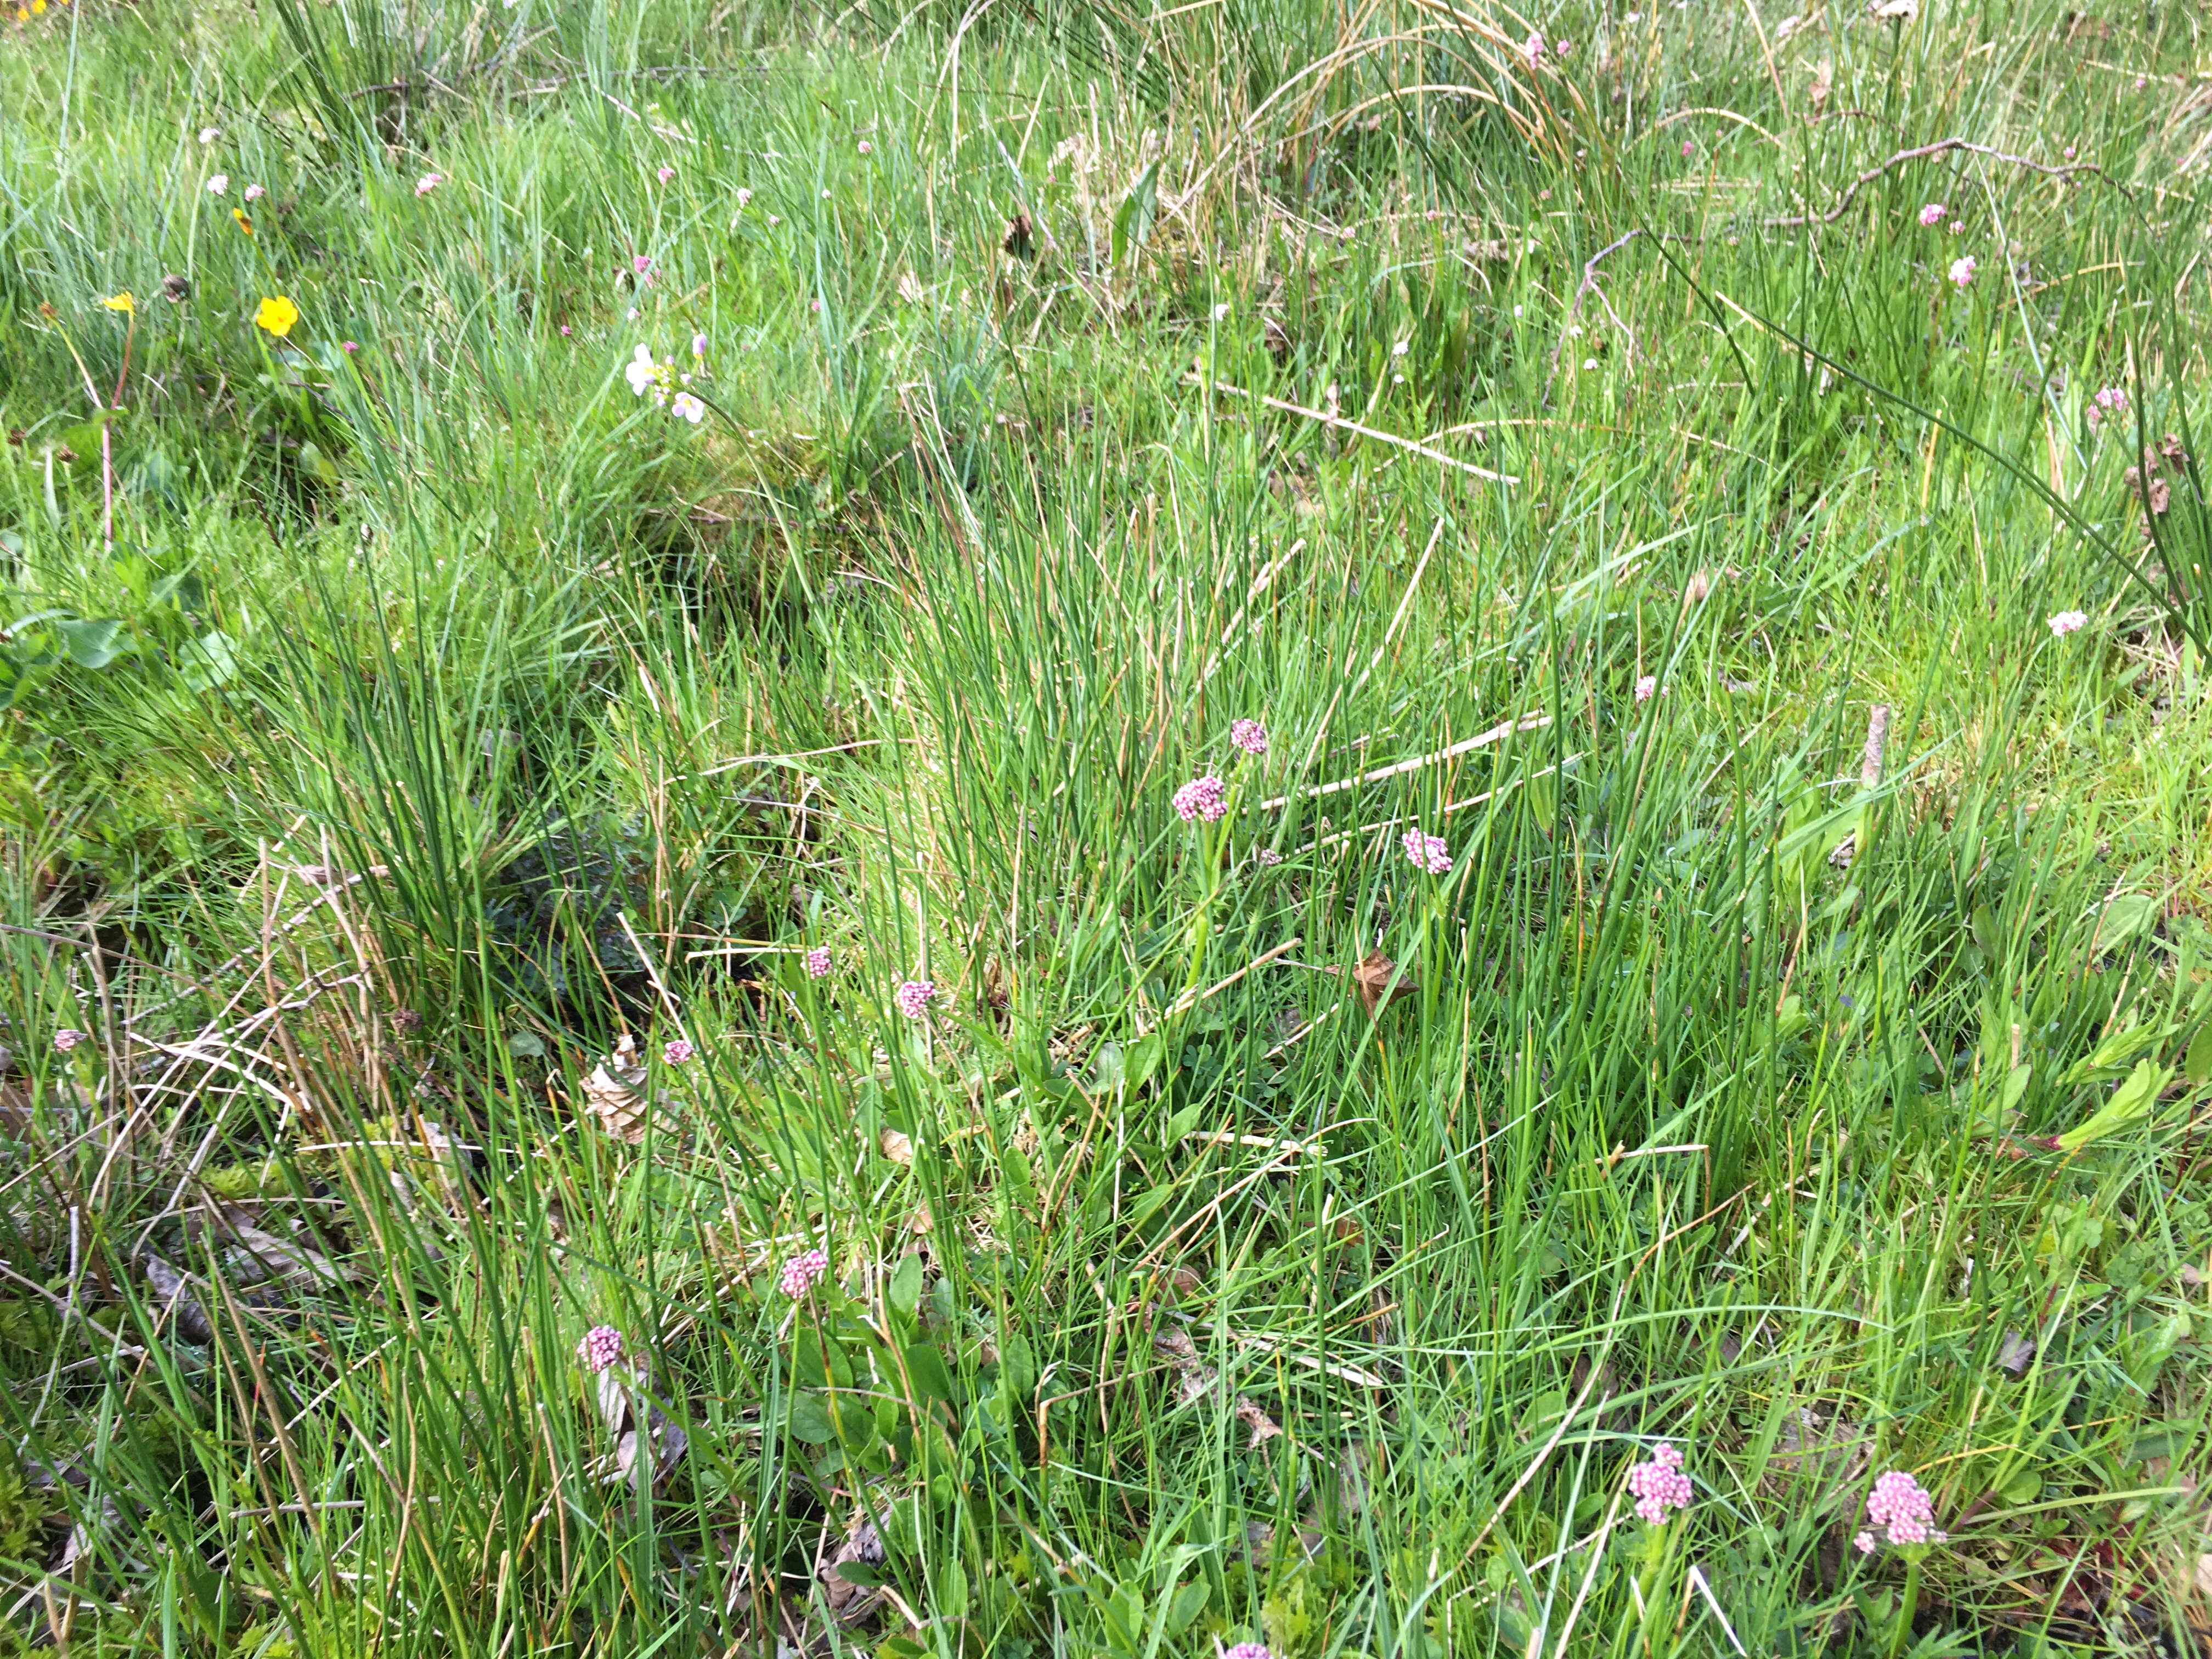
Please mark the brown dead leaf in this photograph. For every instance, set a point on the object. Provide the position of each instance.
(895, 1146)
(850, 1602)
(1374, 978)
(1275, 338)
(1824, 80)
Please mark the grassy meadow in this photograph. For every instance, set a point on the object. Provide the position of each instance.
(1700, 952)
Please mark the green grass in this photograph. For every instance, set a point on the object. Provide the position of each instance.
(393, 727)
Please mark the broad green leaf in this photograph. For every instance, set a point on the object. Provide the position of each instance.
(905, 1288)
(2130, 1104)
(92, 644)
(2197, 1065)
(2016, 1085)
(925, 1366)
(810, 1419)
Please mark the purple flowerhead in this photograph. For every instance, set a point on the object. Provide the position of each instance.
(677, 1051)
(1268, 855)
(1932, 215)
(1902, 1511)
(1534, 49)
(641, 267)
(602, 1346)
(1248, 1650)
(802, 1270)
(1645, 686)
(914, 997)
(68, 1038)
(350, 347)
(2109, 400)
(818, 963)
(2068, 622)
(1962, 271)
(1660, 1485)
(1202, 797)
(1688, 149)
(1427, 853)
(1250, 736)
(699, 346)
(665, 174)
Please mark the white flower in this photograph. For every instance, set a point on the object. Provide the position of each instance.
(641, 371)
(428, 182)
(2068, 622)
(209, 135)
(1221, 311)
(1401, 347)
(865, 146)
(685, 407)
(219, 184)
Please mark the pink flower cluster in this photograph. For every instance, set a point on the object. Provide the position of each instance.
(677, 1052)
(1250, 736)
(602, 1346)
(1902, 1511)
(68, 1038)
(1248, 1650)
(914, 997)
(801, 1271)
(1202, 797)
(1962, 271)
(2110, 400)
(1932, 215)
(818, 963)
(1534, 49)
(2068, 622)
(1660, 1485)
(1645, 686)
(1427, 853)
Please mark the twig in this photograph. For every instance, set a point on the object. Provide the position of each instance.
(1941, 145)
(1341, 424)
(1481, 739)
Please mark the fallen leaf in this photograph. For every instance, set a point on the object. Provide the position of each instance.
(850, 1601)
(2015, 1353)
(895, 1146)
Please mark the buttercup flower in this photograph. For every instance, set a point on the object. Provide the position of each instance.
(1660, 1485)
(428, 182)
(1201, 798)
(1427, 853)
(1962, 271)
(255, 193)
(2068, 622)
(801, 1271)
(218, 183)
(1933, 214)
(685, 407)
(1902, 1511)
(1250, 736)
(276, 316)
(818, 963)
(244, 224)
(914, 997)
(677, 1051)
(68, 1038)
(123, 302)
(602, 1346)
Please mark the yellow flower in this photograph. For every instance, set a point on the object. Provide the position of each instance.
(22, 14)
(38, 8)
(244, 224)
(122, 302)
(276, 316)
